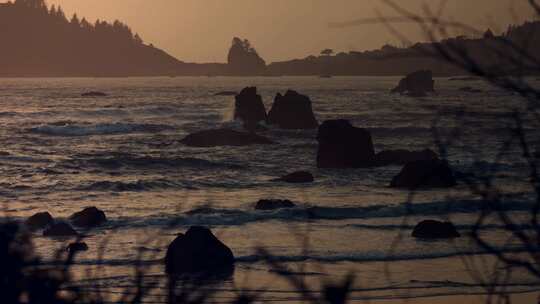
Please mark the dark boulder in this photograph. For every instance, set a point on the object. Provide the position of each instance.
(292, 111)
(39, 221)
(198, 251)
(88, 218)
(296, 177)
(425, 173)
(430, 229)
(93, 94)
(274, 204)
(249, 107)
(224, 137)
(402, 157)
(416, 84)
(60, 229)
(343, 146)
(77, 247)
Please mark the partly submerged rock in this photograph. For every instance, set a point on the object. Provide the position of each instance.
(249, 107)
(88, 218)
(425, 173)
(198, 251)
(416, 84)
(60, 229)
(430, 229)
(273, 204)
(402, 157)
(292, 111)
(470, 90)
(94, 94)
(296, 177)
(77, 247)
(224, 137)
(226, 93)
(343, 146)
(465, 78)
(39, 221)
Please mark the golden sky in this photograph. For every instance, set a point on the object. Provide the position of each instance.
(201, 30)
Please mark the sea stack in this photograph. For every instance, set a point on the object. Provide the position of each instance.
(249, 107)
(292, 111)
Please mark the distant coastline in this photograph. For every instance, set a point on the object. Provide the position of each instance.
(40, 41)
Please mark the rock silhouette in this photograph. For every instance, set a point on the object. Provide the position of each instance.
(416, 84)
(77, 247)
(244, 60)
(60, 229)
(269, 204)
(402, 157)
(224, 137)
(88, 218)
(342, 145)
(39, 221)
(296, 177)
(425, 173)
(292, 111)
(198, 251)
(249, 107)
(430, 229)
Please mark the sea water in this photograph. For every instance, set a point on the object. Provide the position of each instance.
(62, 152)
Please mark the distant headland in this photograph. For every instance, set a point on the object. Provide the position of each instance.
(40, 41)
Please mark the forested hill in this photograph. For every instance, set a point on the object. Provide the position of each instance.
(36, 40)
(507, 53)
(40, 41)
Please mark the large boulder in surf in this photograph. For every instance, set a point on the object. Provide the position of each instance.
(60, 229)
(273, 204)
(342, 145)
(198, 251)
(39, 221)
(434, 173)
(416, 84)
(402, 157)
(224, 137)
(88, 218)
(249, 107)
(430, 229)
(292, 111)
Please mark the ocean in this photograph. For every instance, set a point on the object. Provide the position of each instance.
(62, 152)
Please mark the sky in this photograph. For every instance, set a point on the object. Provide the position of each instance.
(202, 30)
